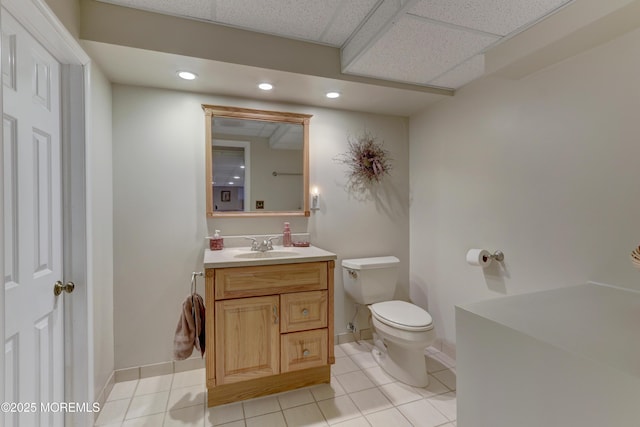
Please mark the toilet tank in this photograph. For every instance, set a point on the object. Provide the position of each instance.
(370, 280)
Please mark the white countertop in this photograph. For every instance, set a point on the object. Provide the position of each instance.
(228, 257)
(593, 321)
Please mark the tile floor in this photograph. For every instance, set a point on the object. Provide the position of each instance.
(360, 394)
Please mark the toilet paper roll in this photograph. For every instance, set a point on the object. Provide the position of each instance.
(478, 257)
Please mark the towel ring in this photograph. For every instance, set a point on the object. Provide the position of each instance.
(193, 280)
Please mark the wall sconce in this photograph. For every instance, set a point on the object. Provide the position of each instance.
(315, 199)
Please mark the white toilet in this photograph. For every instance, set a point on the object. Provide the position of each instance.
(402, 330)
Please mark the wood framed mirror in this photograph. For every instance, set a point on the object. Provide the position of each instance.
(257, 162)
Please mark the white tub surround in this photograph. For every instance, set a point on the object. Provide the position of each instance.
(566, 356)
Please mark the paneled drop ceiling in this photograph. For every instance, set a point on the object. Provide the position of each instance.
(393, 57)
(439, 43)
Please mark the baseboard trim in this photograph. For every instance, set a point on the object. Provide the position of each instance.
(101, 399)
(164, 368)
(176, 366)
(447, 348)
(363, 334)
(439, 344)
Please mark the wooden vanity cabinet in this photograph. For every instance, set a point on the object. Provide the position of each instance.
(268, 329)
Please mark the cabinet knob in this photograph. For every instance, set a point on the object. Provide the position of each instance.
(305, 312)
(305, 352)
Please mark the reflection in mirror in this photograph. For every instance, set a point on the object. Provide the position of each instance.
(258, 162)
(230, 183)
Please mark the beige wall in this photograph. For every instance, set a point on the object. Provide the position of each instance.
(159, 205)
(100, 223)
(544, 169)
(68, 12)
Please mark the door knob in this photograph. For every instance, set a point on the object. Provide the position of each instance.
(58, 287)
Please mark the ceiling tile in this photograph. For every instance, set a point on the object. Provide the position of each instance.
(499, 17)
(347, 18)
(200, 9)
(418, 51)
(464, 73)
(377, 23)
(300, 19)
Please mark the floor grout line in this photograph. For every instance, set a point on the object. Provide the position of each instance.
(353, 356)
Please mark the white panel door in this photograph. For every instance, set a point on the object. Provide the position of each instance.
(34, 348)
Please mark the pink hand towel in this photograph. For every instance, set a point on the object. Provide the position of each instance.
(190, 330)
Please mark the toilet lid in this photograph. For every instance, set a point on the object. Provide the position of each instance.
(402, 315)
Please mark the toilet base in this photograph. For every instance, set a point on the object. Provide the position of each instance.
(407, 365)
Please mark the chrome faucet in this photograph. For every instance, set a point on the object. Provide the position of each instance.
(265, 245)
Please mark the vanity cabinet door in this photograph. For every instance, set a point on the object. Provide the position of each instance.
(247, 338)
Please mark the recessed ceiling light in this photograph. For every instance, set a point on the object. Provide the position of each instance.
(230, 182)
(187, 75)
(242, 167)
(333, 95)
(265, 86)
(236, 177)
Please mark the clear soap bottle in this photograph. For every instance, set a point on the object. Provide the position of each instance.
(286, 235)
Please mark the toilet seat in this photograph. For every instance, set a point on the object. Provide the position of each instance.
(402, 315)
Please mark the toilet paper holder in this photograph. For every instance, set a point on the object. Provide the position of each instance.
(482, 257)
(497, 255)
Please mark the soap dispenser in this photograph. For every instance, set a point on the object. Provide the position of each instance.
(286, 235)
(216, 243)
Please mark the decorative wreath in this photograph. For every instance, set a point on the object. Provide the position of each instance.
(368, 162)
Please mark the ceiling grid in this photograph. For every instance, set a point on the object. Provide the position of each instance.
(437, 43)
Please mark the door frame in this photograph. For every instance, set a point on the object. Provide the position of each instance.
(44, 25)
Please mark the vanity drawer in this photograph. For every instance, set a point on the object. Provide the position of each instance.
(301, 311)
(302, 350)
(239, 282)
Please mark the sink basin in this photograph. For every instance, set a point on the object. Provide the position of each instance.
(267, 254)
